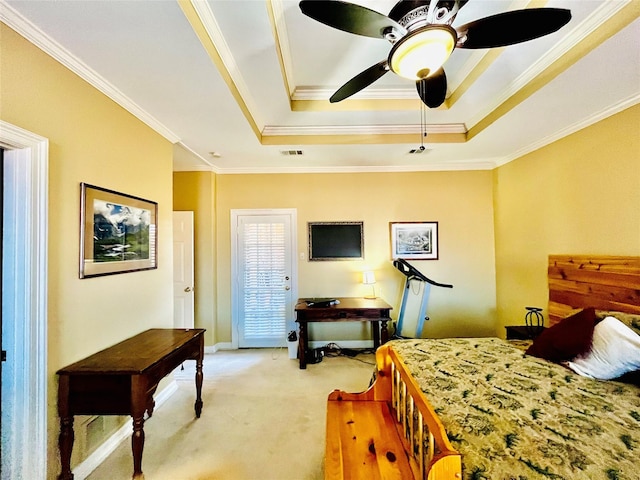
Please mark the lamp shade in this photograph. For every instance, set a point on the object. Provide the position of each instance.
(422, 52)
(368, 278)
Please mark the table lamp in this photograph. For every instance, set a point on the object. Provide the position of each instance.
(368, 278)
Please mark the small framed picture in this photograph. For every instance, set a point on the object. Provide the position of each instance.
(118, 232)
(414, 240)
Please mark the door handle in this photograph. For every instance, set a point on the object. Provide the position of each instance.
(188, 289)
(287, 287)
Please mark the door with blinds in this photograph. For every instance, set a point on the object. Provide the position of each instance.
(263, 284)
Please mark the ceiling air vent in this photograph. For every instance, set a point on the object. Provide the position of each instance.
(289, 153)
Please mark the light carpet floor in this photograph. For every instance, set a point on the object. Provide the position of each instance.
(263, 419)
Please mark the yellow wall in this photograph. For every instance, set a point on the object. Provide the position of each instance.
(460, 201)
(93, 140)
(195, 191)
(579, 195)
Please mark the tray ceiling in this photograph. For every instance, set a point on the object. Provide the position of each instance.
(242, 86)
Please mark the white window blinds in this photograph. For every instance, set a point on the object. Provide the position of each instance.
(265, 269)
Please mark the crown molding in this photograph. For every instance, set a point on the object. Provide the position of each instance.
(33, 34)
(428, 167)
(196, 168)
(452, 128)
(316, 99)
(275, 9)
(361, 134)
(323, 94)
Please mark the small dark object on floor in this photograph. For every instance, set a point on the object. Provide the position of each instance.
(315, 355)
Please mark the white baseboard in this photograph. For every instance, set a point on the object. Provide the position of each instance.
(93, 461)
(312, 344)
(219, 346)
(342, 343)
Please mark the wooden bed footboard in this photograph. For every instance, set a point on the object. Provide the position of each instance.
(389, 431)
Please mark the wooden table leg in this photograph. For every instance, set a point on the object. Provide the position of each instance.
(375, 330)
(137, 445)
(199, 377)
(384, 332)
(65, 443)
(66, 437)
(302, 345)
(138, 407)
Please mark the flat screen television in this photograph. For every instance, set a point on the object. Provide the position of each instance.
(336, 241)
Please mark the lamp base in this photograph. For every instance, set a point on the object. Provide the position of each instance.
(373, 292)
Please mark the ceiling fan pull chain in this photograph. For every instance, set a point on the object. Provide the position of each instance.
(423, 118)
(422, 128)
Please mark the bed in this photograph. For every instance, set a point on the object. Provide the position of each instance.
(486, 408)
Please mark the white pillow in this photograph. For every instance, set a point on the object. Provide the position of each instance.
(615, 350)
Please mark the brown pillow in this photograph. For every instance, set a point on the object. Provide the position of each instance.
(567, 339)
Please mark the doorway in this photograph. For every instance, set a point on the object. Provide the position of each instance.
(264, 276)
(24, 302)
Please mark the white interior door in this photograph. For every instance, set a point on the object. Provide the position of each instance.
(183, 283)
(264, 290)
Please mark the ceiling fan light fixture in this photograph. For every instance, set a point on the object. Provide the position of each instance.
(422, 52)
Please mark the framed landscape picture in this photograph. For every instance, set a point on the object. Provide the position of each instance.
(414, 240)
(118, 232)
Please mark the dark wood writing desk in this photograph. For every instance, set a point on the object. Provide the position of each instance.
(121, 380)
(374, 310)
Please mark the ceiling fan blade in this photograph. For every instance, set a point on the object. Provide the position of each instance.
(360, 81)
(433, 89)
(512, 27)
(350, 17)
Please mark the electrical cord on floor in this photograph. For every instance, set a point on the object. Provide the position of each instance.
(335, 350)
(362, 361)
(275, 353)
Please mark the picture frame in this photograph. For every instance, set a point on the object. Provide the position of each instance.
(414, 240)
(118, 232)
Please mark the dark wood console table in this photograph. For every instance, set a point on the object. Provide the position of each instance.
(121, 380)
(374, 310)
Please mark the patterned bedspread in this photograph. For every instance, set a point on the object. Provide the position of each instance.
(523, 418)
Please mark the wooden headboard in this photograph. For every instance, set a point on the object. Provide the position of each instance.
(605, 283)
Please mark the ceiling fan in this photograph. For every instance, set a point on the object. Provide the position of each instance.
(422, 37)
